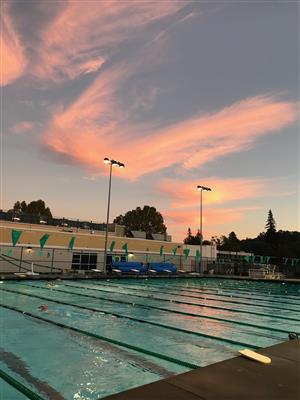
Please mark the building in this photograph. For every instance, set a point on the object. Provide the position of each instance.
(65, 248)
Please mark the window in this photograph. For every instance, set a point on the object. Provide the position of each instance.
(84, 261)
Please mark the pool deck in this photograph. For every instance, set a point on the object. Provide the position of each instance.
(235, 379)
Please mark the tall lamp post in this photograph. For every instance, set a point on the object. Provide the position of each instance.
(111, 164)
(201, 188)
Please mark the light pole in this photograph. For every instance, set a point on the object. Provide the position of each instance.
(201, 188)
(111, 164)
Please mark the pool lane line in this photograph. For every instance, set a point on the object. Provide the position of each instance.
(203, 291)
(19, 386)
(174, 328)
(245, 288)
(19, 367)
(189, 303)
(195, 297)
(106, 339)
(266, 296)
(168, 301)
(262, 292)
(170, 310)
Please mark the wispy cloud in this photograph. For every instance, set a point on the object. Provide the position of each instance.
(95, 125)
(83, 37)
(13, 61)
(77, 38)
(179, 219)
(81, 40)
(184, 201)
(22, 127)
(184, 193)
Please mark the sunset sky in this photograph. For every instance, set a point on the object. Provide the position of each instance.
(184, 93)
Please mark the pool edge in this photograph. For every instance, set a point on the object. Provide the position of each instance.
(234, 379)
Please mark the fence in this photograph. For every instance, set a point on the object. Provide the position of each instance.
(61, 260)
(54, 221)
(242, 269)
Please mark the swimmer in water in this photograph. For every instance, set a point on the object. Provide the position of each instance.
(51, 285)
(45, 308)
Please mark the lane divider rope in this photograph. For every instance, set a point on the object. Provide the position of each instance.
(200, 297)
(137, 319)
(106, 339)
(167, 310)
(213, 292)
(193, 304)
(19, 386)
(275, 293)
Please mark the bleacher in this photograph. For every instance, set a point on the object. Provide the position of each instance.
(157, 267)
(128, 267)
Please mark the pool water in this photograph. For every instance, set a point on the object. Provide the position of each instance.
(100, 337)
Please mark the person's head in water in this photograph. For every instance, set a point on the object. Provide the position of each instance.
(43, 307)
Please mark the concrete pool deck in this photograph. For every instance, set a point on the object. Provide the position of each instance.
(234, 379)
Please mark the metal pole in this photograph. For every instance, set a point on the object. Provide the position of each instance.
(21, 258)
(107, 219)
(200, 262)
(52, 260)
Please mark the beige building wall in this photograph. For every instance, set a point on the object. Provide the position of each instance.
(56, 256)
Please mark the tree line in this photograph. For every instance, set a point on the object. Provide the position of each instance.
(35, 207)
(268, 243)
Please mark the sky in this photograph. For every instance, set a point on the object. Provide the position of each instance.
(185, 93)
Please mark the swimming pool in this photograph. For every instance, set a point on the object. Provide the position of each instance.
(101, 337)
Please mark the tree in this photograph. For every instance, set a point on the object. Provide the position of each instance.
(230, 243)
(23, 206)
(37, 207)
(224, 243)
(146, 219)
(233, 242)
(270, 228)
(193, 240)
(189, 237)
(198, 237)
(17, 207)
(270, 224)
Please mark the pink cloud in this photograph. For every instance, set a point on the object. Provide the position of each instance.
(184, 203)
(184, 193)
(95, 125)
(80, 40)
(212, 216)
(76, 41)
(13, 60)
(214, 220)
(22, 127)
(221, 207)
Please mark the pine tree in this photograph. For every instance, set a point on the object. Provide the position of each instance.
(270, 224)
(270, 228)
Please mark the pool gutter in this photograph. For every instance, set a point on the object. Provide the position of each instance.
(89, 275)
